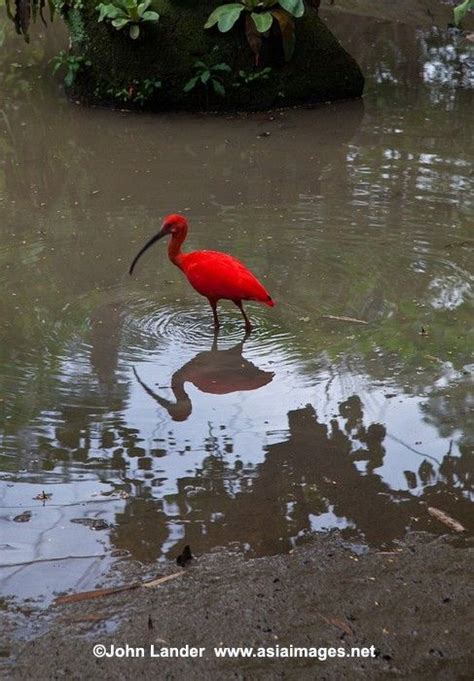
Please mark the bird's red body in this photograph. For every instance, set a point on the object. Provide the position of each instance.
(218, 275)
(213, 274)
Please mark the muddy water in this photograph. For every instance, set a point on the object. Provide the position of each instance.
(116, 400)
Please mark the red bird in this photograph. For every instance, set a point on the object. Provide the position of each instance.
(212, 274)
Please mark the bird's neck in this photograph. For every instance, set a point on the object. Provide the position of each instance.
(174, 249)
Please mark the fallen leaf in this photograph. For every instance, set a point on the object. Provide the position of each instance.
(100, 593)
(82, 618)
(161, 580)
(340, 624)
(92, 523)
(434, 359)
(344, 319)
(96, 593)
(446, 519)
(42, 496)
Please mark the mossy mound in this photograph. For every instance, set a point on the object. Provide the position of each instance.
(120, 71)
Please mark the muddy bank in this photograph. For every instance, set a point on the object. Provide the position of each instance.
(324, 594)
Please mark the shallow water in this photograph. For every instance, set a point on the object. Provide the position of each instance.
(115, 399)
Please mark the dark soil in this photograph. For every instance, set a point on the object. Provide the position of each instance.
(413, 604)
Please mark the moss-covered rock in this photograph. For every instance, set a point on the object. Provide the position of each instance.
(126, 72)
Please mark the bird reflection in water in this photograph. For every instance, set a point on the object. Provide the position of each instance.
(213, 371)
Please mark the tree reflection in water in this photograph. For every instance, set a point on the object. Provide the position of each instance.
(315, 472)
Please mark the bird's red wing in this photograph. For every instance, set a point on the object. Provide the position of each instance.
(219, 275)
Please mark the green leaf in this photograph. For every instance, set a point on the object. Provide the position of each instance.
(191, 84)
(221, 67)
(69, 77)
(225, 16)
(111, 12)
(218, 88)
(134, 31)
(150, 16)
(287, 30)
(205, 76)
(143, 6)
(262, 21)
(294, 7)
(119, 23)
(461, 10)
(102, 9)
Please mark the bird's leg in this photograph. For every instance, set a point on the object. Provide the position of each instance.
(214, 347)
(213, 304)
(248, 325)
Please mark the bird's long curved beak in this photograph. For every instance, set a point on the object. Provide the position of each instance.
(149, 243)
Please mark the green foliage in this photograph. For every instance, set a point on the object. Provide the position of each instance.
(137, 91)
(208, 76)
(247, 77)
(75, 22)
(72, 65)
(461, 10)
(22, 12)
(130, 13)
(64, 7)
(259, 18)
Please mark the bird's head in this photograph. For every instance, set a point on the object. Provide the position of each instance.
(173, 224)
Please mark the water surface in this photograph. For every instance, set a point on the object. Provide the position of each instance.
(117, 401)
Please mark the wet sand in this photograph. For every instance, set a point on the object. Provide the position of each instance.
(413, 604)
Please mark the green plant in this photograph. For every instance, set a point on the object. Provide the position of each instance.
(137, 91)
(461, 10)
(75, 21)
(208, 76)
(120, 13)
(64, 7)
(23, 12)
(259, 17)
(247, 77)
(71, 63)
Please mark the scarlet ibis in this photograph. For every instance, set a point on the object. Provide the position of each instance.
(213, 274)
(214, 371)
